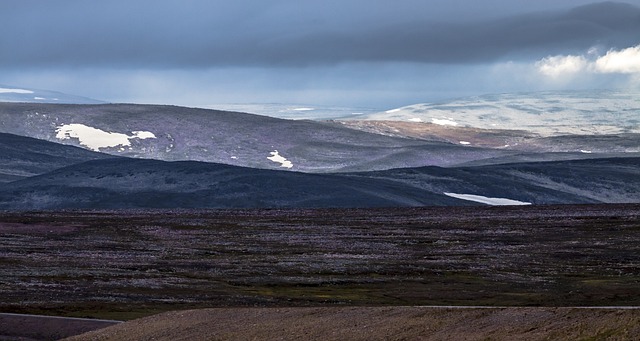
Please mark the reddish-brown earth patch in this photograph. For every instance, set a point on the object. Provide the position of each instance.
(379, 323)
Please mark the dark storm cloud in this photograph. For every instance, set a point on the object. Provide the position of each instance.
(196, 33)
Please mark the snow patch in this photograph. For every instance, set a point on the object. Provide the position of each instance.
(143, 135)
(39, 98)
(415, 119)
(486, 200)
(465, 143)
(14, 91)
(393, 110)
(95, 139)
(276, 157)
(444, 122)
(585, 151)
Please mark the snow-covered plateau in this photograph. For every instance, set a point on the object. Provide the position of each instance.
(544, 113)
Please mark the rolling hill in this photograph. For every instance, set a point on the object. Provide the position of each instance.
(22, 157)
(136, 183)
(176, 134)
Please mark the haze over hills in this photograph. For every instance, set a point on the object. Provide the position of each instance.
(296, 111)
(22, 95)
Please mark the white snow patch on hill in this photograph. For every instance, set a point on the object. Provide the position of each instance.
(444, 122)
(276, 157)
(14, 91)
(95, 139)
(143, 135)
(487, 200)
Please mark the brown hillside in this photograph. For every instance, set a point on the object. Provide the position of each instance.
(379, 323)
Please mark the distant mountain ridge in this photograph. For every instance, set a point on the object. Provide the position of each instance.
(155, 156)
(24, 95)
(173, 133)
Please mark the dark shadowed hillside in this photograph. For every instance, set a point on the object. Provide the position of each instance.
(135, 183)
(22, 157)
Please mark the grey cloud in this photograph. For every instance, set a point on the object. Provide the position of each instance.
(196, 33)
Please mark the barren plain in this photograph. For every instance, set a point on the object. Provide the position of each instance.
(123, 265)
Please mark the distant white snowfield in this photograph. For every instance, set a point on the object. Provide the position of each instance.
(95, 139)
(444, 122)
(487, 200)
(276, 157)
(551, 113)
(14, 91)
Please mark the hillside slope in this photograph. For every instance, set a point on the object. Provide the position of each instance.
(136, 183)
(176, 133)
(379, 323)
(22, 157)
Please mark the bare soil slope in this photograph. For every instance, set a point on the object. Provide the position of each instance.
(379, 323)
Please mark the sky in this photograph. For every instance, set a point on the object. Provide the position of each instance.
(371, 54)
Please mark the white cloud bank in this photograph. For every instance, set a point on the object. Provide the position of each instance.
(625, 61)
(557, 66)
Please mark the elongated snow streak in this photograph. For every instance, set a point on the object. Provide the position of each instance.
(14, 91)
(276, 157)
(95, 139)
(444, 122)
(487, 200)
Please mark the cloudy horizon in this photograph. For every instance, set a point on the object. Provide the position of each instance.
(349, 53)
